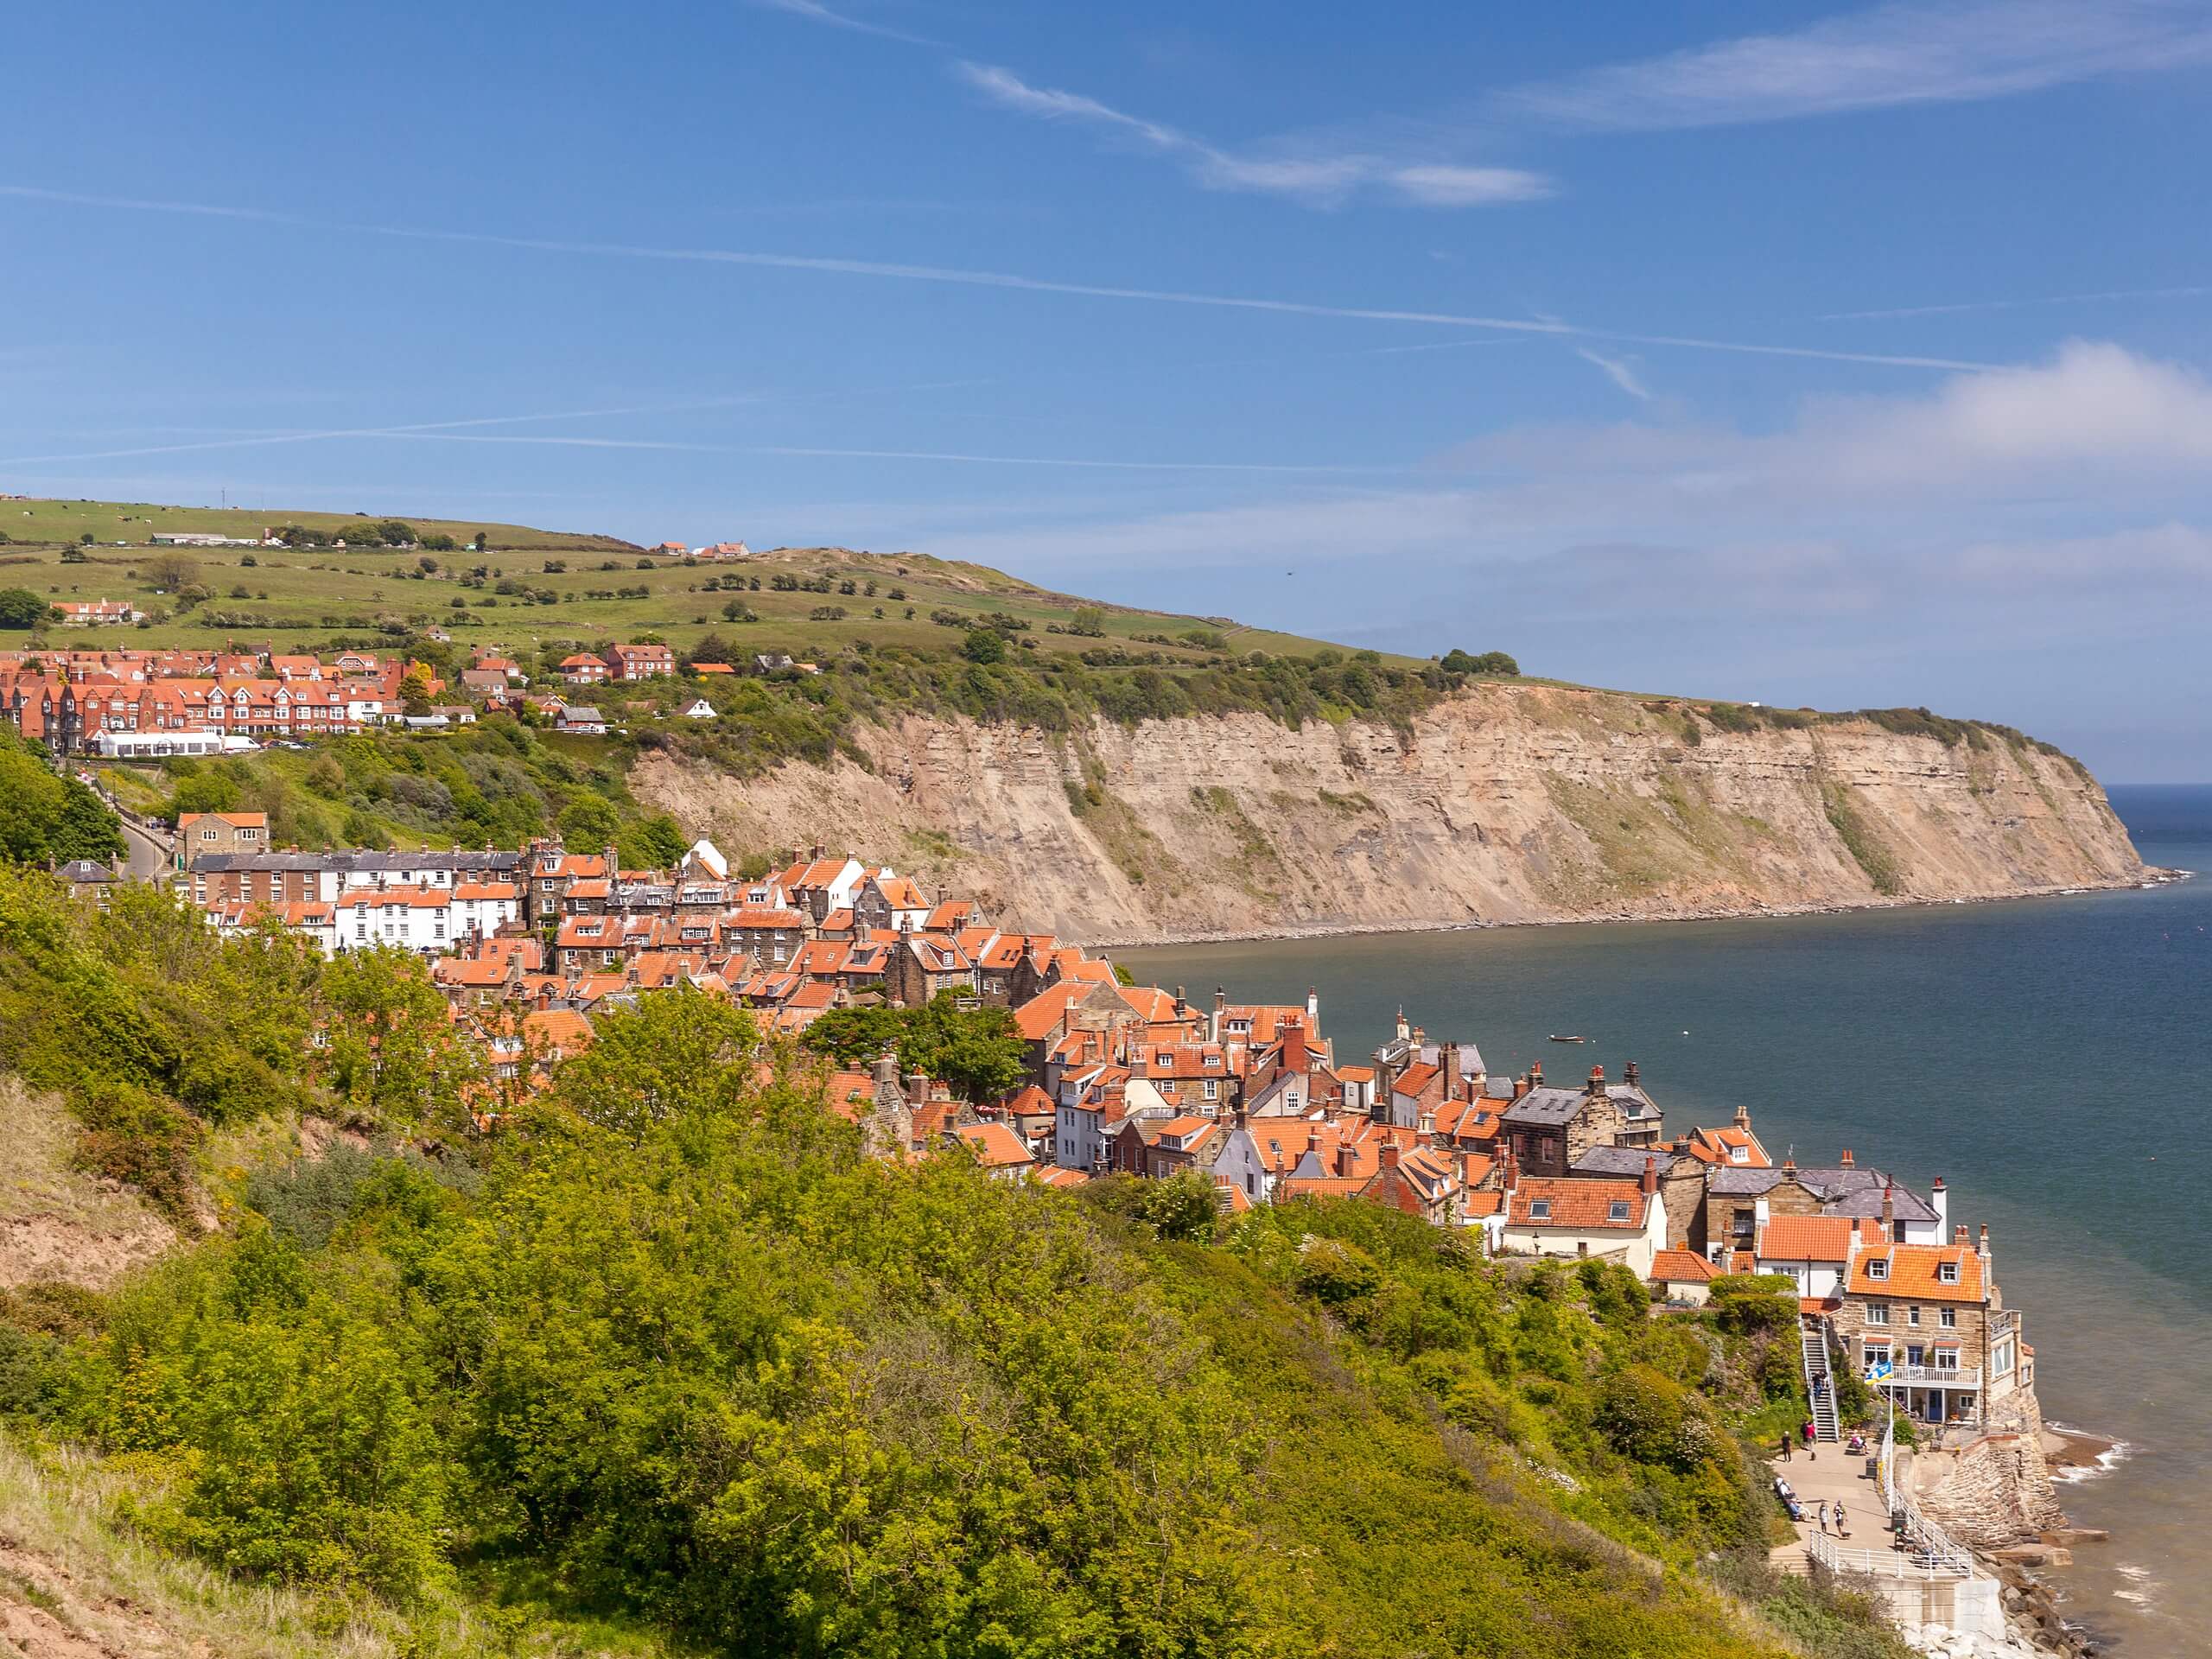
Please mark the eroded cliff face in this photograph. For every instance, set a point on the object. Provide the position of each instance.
(1506, 804)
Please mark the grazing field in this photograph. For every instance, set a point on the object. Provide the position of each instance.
(531, 589)
(131, 523)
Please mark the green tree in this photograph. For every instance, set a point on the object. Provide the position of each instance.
(678, 1054)
(391, 1047)
(979, 1051)
(21, 608)
(1090, 621)
(856, 1036)
(983, 646)
(207, 791)
(31, 804)
(588, 823)
(653, 843)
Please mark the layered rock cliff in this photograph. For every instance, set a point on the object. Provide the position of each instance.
(1507, 803)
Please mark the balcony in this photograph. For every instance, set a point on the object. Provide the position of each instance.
(1925, 1376)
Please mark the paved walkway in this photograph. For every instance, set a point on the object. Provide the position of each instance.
(1833, 1475)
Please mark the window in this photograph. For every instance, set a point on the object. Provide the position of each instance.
(1212, 1089)
(1539, 1209)
(1949, 1318)
(1877, 1267)
(1877, 1313)
(1948, 1273)
(2000, 1358)
(1617, 1211)
(1912, 1316)
(1739, 1154)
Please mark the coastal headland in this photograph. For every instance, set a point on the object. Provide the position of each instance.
(1503, 803)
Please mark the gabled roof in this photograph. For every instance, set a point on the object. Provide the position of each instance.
(996, 1147)
(1577, 1204)
(1682, 1266)
(1805, 1238)
(1915, 1271)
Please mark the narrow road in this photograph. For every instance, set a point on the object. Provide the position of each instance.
(148, 861)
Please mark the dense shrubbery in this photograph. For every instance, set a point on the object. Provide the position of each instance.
(667, 1350)
(45, 816)
(498, 782)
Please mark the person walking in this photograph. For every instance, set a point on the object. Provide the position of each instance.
(1824, 1515)
(1787, 1454)
(1841, 1531)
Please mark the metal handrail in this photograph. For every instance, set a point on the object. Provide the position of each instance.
(1926, 1540)
(1827, 1552)
(1923, 1375)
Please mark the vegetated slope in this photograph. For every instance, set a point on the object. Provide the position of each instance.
(534, 591)
(1500, 803)
(681, 1364)
(35, 522)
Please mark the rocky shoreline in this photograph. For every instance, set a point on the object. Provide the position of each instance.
(2150, 875)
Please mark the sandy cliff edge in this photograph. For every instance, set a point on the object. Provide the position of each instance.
(1508, 804)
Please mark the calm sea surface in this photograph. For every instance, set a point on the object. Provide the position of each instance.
(2050, 1058)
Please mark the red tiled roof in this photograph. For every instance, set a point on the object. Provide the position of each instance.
(1805, 1238)
(1685, 1266)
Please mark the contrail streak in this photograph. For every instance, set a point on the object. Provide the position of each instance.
(986, 279)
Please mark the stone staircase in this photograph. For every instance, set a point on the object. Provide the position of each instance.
(1820, 1385)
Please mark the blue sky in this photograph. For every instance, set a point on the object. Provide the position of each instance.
(1810, 354)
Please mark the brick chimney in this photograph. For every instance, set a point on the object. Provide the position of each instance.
(1959, 1234)
(1389, 1154)
(1651, 1181)
(1520, 1085)
(1346, 1157)
(1535, 1074)
(1597, 1084)
(1511, 1180)
(1889, 1210)
(1629, 1074)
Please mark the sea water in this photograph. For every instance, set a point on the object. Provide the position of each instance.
(2051, 1058)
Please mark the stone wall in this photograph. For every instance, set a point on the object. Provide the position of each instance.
(1995, 1491)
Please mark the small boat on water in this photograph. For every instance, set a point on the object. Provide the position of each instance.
(1558, 1039)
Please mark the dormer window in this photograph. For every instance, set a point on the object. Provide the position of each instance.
(1617, 1211)
(1739, 1154)
(1878, 1267)
(1948, 1273)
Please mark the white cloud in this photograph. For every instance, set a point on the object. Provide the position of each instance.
(2097, 424)
(1322, 179)
(815, 12)
(1617, 371)
(1441, 185)
(1890, 55)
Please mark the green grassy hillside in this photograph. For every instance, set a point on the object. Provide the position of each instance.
(132, 523)
(532, 589)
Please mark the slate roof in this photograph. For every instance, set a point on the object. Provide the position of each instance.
(1619, 1161)
(1545, 1107)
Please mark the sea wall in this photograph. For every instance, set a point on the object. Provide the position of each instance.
(1508, 804)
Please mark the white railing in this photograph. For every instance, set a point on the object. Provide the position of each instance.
(1920, 1377)
(1919, 1539)
(1829, 1555)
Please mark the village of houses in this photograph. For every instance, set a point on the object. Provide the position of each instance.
(1122, 1079)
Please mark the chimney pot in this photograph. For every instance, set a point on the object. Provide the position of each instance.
(1959, 1234)
(1846, 1160)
